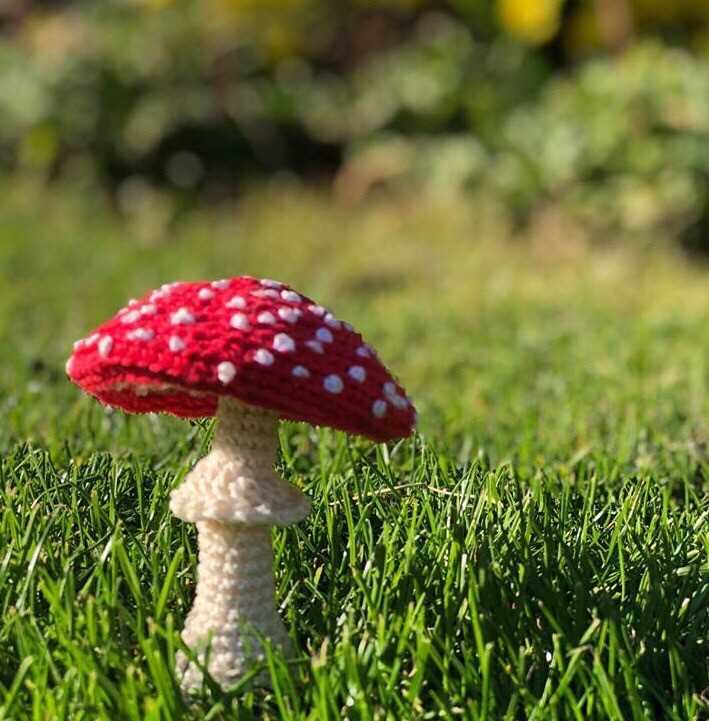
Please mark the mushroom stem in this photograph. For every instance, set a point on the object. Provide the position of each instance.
(234, 495)
(234, 605)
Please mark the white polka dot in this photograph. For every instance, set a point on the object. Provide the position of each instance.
(266, 318)
(291, 296)
(301, 372)
(240, 322)
(148, 309)
(399, 401)
(226, 372)
(268, 283)
(205, 294)
(130, 317)
(364, 351)
(236, 302)
(332, 321)
(264, 357)
(181, 316)
(393, 397)
(86, 342)
(105, 345)
(324, 335)
(68, 365)
(347, 326)
(175, 344)
(158, 295)
(141, 334)
(283, 343)
(220, 284)
(379, 408)
(290, 315)
(268, 293)
(315, 346)
(333, 384)
(317, 309)
(357, 373)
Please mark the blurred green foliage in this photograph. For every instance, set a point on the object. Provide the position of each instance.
(510, 96)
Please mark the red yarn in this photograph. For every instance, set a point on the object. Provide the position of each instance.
(179, 348)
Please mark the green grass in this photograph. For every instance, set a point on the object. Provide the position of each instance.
(538, 552)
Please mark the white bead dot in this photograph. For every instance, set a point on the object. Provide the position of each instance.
(148, 309)
(226, 372)
(220, 284)
(301, 372)
(364, 351)
(175, 344)
(283, 343)
(130, 317)
(268, 283)
(389, 389)
(264, 357)
(141, 334)
(399, 401)
(333, 384)
(105, 345)
(324, 335)
(291, 296)
(181, 316)
(332, 321)
(268, 293)
(317, 309)
(315, 346)
(205, 294)
(290, 315)
(68, 365)
(236, 302)
(240, 322)
(379, 408)
(357, 373)
(266, 318)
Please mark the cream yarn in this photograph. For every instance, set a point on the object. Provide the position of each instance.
(234, 495)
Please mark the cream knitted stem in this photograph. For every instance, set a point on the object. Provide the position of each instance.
(234, 496)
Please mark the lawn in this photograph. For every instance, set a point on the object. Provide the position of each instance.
(539, 551)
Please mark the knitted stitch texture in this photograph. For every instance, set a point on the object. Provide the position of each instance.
(178, 349)
(234, 495)
(234, 604)
(236, 482)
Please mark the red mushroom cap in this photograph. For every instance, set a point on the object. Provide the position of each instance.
(179, 348)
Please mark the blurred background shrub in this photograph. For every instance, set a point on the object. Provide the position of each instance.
(594, 111)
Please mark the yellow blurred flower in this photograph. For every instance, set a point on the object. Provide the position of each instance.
(532, 21)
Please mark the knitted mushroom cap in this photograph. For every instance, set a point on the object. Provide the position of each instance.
(179, 348)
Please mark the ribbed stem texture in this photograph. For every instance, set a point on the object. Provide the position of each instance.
(234, 603)
(234, 496)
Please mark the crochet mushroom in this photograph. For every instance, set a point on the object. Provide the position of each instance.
(250, 352)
